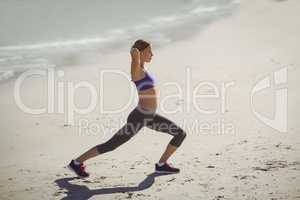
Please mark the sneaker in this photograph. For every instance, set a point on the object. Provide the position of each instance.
(79, 169)
(166, 168)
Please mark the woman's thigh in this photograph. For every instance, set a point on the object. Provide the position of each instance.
(162, 124)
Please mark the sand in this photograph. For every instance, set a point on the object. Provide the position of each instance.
(247, 160)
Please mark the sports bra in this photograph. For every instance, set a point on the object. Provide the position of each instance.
(145, 83)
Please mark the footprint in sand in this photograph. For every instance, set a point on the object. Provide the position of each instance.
(172, 179)
(188, 180)
(211, 166)
(243, 142)
(283, 146)
(241, 177)
(277, 164)
(219, 197)
(130, 194)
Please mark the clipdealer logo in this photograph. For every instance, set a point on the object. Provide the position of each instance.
(57, 87)
(279, 121)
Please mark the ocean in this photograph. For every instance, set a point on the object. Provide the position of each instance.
(57, 33)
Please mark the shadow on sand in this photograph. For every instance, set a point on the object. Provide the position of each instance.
(82, 192)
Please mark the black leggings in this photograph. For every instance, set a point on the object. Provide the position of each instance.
(136, 120)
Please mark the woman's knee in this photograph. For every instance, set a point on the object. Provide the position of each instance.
(182, 135)
(178, 138)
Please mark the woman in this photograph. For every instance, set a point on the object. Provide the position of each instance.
(143, 115)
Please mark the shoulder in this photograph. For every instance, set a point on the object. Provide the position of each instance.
(138, 75)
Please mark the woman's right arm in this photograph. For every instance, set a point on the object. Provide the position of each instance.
(135, 64)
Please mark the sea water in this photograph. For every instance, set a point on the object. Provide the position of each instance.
(53, 33)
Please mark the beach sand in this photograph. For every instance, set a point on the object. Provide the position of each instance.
(247, 160)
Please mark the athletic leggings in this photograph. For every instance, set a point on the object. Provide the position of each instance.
(136, 120)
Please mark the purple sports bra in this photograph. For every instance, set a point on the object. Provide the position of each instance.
(145, 83)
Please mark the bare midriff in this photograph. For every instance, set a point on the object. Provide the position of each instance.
(148, 99)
